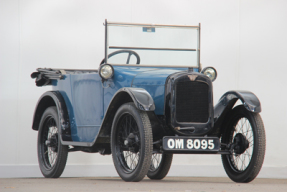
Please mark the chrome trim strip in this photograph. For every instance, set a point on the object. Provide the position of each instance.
(149, 25)
(150, 48)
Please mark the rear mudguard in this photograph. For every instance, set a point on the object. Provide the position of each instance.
(48, 99)
(226, 103)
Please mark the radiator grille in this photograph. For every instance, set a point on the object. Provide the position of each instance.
(192, 102)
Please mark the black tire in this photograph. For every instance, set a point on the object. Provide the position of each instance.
(247, 130)
(52, 155)
(131, 142)
(160, 165)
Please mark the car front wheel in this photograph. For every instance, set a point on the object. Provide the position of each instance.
(131, 142)
(160, 165)
(245, 135)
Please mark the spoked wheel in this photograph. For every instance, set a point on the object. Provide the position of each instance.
(160, 165)
(131, 143)
(245, 135)
(52, 155)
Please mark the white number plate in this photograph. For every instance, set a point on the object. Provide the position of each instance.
(191, 143)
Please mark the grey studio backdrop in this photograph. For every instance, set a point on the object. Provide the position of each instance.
(245, 40)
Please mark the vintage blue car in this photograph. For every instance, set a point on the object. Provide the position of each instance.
(149, 99)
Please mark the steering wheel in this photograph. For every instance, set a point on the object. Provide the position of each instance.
(124, 51)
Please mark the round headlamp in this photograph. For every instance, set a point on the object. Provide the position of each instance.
(210, 72)
(106, 71)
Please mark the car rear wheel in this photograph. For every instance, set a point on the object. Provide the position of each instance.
(160, 165)
(131, 142)
(245, 135)
(52, 155)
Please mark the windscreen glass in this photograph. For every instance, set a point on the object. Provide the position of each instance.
(152, 45)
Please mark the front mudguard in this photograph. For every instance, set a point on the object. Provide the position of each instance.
(226, 103)
(141, 98)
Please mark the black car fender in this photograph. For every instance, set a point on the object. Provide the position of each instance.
(48, 99)
(228, 100)
(140, 97)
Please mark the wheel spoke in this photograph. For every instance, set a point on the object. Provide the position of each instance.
(155, 161)
(239, 161)
(127, 152)
(50, 133)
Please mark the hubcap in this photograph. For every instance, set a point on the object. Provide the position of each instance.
(53, 142)
(241, 143)
(132, 143)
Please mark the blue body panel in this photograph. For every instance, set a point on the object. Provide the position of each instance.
(83, 95)
(87, 98)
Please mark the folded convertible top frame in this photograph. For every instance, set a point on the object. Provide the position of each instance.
(44, 75)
